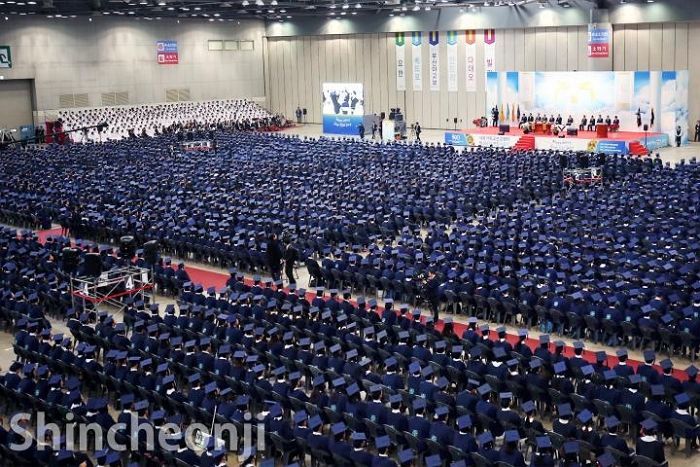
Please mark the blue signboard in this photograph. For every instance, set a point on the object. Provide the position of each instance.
(612, 147)
(455, 139)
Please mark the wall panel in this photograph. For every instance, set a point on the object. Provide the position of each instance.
(109, 55)
(371, 58)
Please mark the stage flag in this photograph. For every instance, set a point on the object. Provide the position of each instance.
(417, 60)
(471, 60)
(400, 39)
(434, 41)
(518, 112)
(507, 112)
(452, 79)
(502, 116)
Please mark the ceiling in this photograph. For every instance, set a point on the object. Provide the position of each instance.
(274, 10)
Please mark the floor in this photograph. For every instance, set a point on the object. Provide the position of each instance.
(672, 155)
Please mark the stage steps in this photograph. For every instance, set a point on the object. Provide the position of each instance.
(638, 149)
(525, 143)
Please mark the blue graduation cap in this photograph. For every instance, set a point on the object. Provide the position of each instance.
(612, 422)
(382, 442)
(406, 456)
(511, 436)
(338, 428)
(649, 425)
(485, 438)
(564, 410)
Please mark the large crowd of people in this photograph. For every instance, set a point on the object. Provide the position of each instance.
(340, 381)
(149, 120)
(489, 233)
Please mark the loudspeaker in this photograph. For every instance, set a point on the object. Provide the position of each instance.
(382, 115)
(646, 127)
(93, 265)
(127, 247)
(303, 110)
(70, 257)
(150, 252)
(572, 131)
(504, 128)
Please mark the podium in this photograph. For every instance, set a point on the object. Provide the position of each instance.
(601, 130)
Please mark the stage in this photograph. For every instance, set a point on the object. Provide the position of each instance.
(619, 142)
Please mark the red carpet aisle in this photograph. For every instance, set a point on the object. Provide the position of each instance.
(218, 279)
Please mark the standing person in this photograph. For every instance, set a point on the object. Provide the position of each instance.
(639, 118)
(374, 130)
(274, 257)
(431, 291)
(418, 131)
(697, 131)
(298, 114)
(291, 255)
(679, 136)
(361, 130)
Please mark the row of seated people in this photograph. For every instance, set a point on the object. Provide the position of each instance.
(600, 256)
(585, 123)
(155, 119)
(436, 185)
(160, 355)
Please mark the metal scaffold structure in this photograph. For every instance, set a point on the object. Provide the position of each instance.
(112, 286)
(583, 176)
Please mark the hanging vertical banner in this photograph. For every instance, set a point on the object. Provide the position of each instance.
(400, 38)
(452, 85)
(490, 49)
(417, 57)
(434, 41)
(471, 60)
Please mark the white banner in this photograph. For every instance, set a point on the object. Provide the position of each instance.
(489, 50)
(417, 61)
(470, 48)
(452, 79)
(434, 41)
(400, 62)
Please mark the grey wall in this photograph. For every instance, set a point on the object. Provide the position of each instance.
(298, 65)
(113, 55)
(15, 103)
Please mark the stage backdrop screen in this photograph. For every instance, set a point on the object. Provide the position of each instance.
(342, 108)
(658, 99)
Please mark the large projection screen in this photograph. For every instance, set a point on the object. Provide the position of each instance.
(342, 108)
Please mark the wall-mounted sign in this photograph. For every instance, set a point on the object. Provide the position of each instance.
(598, 40)
(167, 52)
(5, 56)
